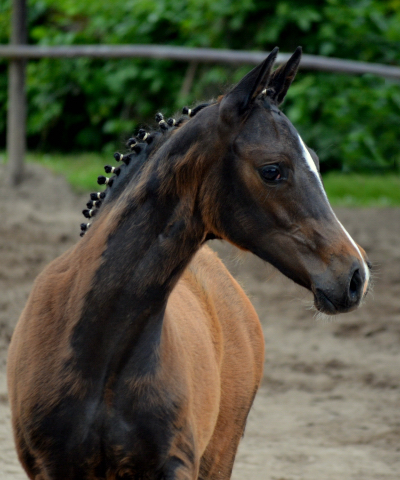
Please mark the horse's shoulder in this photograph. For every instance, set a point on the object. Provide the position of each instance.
(209, 270)
(209, 280)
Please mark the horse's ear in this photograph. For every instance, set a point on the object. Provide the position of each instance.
(283, 77)
(241, 97)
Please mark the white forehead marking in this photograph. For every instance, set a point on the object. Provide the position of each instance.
(310, 162)
(311, 165)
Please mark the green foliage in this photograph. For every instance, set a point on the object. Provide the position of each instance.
(81, 170)
(361, 190)
(353, 129)
(89, 104)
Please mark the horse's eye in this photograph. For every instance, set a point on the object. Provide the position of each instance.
(271, 173)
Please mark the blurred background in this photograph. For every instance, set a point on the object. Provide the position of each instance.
(84, 105)
(328, 406)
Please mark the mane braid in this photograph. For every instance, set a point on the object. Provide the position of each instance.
(142, 148)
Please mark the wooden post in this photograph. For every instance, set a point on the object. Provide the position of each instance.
(16, 116)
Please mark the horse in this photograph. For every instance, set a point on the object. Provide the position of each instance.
(137, 355)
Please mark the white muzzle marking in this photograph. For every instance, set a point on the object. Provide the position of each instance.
(313, 168)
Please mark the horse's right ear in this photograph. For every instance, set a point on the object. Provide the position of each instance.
(237, 102)
(283, 77)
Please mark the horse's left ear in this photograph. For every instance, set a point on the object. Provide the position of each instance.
(283, 77)
(237, 102)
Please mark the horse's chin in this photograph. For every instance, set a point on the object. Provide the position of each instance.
(324, 305)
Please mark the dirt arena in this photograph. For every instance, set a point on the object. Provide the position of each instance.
(329, 405)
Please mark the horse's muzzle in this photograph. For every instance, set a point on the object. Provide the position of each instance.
(341, 294)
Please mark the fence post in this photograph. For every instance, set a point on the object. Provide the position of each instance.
(16, 115)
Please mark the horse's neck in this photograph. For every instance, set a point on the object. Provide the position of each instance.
(145, 255)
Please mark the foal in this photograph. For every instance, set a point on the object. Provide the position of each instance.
(137, 355)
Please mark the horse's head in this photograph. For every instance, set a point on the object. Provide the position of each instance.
(242, 166)
(267, 195)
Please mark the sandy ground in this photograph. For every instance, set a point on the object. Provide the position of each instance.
(328, 408)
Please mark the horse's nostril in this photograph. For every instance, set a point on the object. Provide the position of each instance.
(355, 285)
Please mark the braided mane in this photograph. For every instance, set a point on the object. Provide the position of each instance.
(142, 147)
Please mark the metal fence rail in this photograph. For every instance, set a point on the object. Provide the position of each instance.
(186, 54)
(18, 53)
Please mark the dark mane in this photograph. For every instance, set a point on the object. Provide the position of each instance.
(143, 148)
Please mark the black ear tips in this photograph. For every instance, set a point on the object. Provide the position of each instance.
(282, 77)
(296, 57)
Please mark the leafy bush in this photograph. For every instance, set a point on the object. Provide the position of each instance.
(90, 104)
